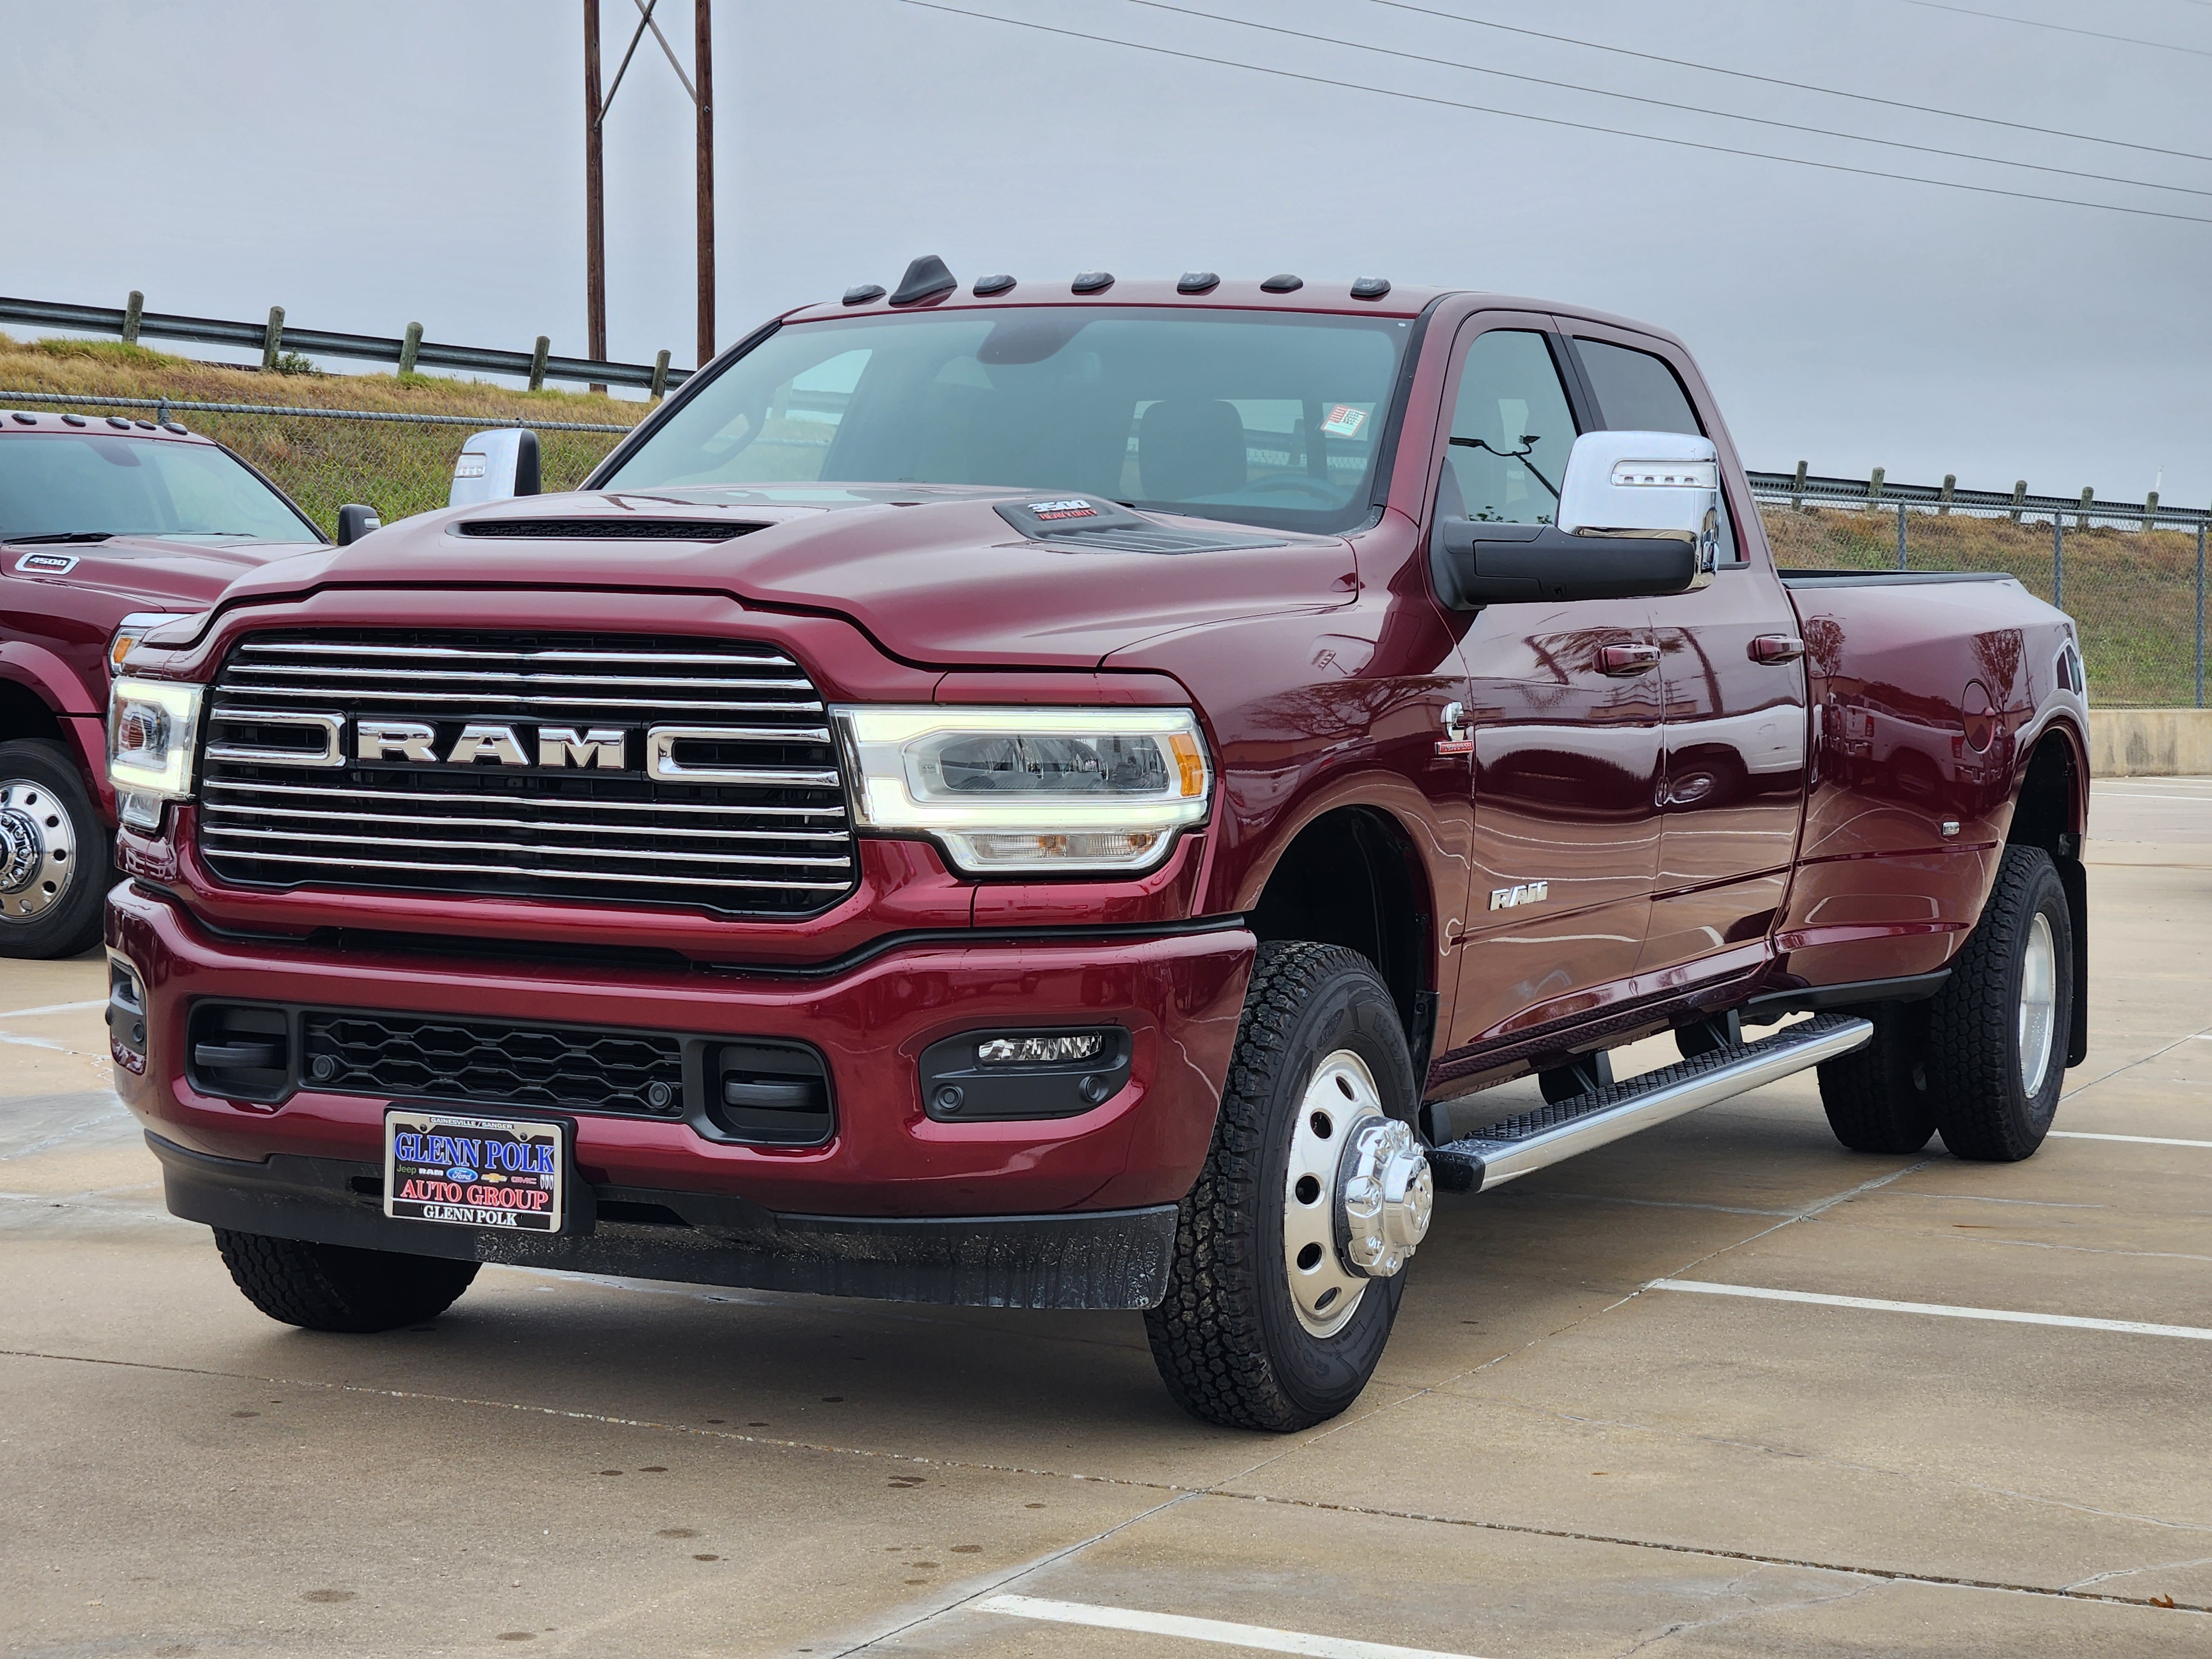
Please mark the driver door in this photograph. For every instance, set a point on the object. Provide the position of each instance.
(1565, 715)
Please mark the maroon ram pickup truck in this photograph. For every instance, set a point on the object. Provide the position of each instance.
(1063, 796)
(107, 526)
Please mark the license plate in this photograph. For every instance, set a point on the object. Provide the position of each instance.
(500, 1172)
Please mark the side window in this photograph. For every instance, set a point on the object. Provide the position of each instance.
(1510, 432)
(1637, 392)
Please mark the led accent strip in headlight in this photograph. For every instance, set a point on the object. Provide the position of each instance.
(153, 726)
(1048, 790)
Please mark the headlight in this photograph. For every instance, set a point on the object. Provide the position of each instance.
(152, 728)
(1052, 790)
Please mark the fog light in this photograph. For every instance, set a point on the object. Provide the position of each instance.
(1040, 1050)
(981, 1076)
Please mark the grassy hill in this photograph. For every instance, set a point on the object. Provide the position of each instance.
(2132, 592)
(396, 467)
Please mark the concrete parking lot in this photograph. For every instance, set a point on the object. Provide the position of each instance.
(1557, 1459)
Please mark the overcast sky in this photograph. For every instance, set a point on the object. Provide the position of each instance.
(367, 164)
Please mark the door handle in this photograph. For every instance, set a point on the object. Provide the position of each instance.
(1625, 661)
(1777, 648)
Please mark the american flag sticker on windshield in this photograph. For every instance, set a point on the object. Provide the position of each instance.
(1345, 421)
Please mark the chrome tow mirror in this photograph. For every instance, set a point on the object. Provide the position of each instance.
(1659, 486)
(494, 466)
(1638, 518)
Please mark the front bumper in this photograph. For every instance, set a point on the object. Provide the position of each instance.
(1177, 995)
(1088, 1259)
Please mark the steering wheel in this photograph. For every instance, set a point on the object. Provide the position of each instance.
(1277, 482)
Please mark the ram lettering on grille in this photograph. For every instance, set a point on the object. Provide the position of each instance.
(688, 771)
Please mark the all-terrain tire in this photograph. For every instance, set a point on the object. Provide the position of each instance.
(48, 801)
(1984, 1108)
(1227, 1340)
(334, 1287)
(1877, 1097)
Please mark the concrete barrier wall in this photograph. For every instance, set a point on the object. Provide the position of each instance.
(2150, 742)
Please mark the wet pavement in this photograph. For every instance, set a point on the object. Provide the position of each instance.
(1555, 1460)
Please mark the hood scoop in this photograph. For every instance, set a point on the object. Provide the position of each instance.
(1084, 523)
(606, 529)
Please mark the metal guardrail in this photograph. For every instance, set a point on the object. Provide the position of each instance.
(405, 352)
(1802, 488)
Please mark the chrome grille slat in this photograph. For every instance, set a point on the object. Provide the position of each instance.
(340, 648)
(769, 834)
(578, 803)
(419, 675)
(340, 816)
(431, 694)
(620, 879)
(808, 862)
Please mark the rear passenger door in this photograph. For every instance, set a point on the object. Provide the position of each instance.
(1565, 717)
(1732, 793)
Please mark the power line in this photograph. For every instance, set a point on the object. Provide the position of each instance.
(1794, 86)
(1548, 120)
(2061, 28)
(1664, 103)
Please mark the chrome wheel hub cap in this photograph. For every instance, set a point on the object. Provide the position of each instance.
(2038, 1004)
(1357, 1198)
(38, 850)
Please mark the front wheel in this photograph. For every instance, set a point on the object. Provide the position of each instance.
(1290, 1246)
(336, 1287)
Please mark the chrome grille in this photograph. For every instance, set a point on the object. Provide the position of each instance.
(736, 803)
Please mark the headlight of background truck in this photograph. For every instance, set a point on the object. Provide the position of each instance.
(1051, 791)
(152, 727)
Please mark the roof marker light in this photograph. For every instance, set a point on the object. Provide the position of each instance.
(987, 286)
(28, 420)
(74, 420)
(1197, 281)
(1093, 282)
(865, 292)
(1370, 288)
(1283, 283)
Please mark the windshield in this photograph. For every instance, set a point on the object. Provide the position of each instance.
(1252, 416)
(88, 485)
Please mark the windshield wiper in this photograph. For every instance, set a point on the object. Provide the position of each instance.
(58, 535)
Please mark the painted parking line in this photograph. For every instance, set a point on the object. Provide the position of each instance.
(1205, 1630)
(1936, 1309)
(53, 1008)
(2133, 1140)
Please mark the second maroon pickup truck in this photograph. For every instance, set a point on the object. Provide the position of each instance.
(1064, 795)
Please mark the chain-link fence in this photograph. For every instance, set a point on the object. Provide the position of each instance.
(2133, 576)
(399, 464)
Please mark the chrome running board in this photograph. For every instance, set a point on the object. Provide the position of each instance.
(1533, 1140)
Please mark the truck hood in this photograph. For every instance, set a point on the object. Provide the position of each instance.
(147, 573)
(932, 573)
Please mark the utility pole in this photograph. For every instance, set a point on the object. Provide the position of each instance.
(702, 62)
(595, 212)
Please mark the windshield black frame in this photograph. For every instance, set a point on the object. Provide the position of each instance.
(1361, 508)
